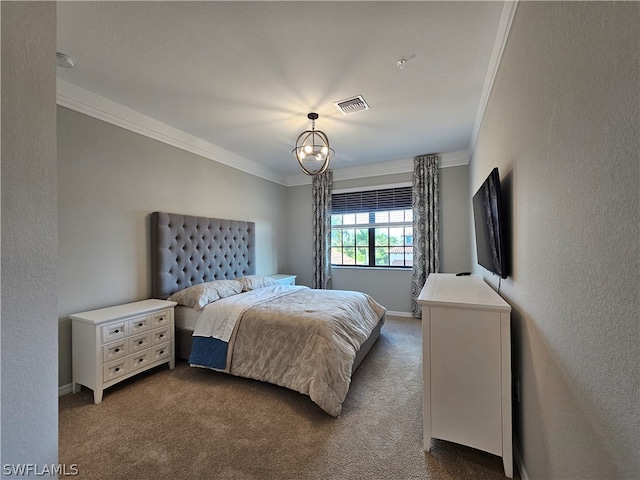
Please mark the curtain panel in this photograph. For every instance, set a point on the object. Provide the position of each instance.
(425, 203)
(321, 194)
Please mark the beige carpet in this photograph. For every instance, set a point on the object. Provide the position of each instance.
(191, 423)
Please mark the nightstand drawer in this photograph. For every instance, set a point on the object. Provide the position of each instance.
(139, 325)
(114, 351)
(113, 332)
(140, 342)
(161, 351)
(160, 335)
(141, 359)
(115, 370)
(161, 319)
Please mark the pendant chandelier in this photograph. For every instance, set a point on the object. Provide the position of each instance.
(312, 149)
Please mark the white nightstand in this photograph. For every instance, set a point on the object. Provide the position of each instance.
(115, 343)
(284, 279)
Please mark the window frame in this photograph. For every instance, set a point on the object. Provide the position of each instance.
(371, 226)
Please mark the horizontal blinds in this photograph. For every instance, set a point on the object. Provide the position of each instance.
(372, 200)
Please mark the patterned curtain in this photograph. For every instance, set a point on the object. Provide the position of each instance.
(321, 193)
(425, 202)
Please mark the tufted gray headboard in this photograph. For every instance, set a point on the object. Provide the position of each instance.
(188, 250)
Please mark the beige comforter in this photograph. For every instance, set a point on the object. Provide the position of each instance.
(305, 340)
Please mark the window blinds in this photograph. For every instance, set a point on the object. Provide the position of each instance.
(371, 201)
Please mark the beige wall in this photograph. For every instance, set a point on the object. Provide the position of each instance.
(110, 180)
(455, 220)
(562, 126)
(29, 293)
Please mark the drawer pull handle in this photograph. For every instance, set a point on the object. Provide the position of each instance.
(161, 319)
(140, 324)
(162, 335)
(116, 331)
(117, 350)
(117, 369)
(140, 342)
(161, 352)
(140, 360)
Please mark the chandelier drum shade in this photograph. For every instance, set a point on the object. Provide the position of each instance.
(313, 151)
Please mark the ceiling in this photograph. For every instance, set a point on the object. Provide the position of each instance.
(237, 79)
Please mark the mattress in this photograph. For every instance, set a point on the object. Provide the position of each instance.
(186, 317)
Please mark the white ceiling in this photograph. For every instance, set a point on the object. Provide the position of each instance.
(240, 77)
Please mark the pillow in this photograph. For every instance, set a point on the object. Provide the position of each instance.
(253, 282)
(226, 288)
(199, 296)
(196, 296)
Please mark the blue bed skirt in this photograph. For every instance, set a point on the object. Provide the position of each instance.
(209, 352)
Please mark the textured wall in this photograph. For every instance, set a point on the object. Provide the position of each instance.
(110, 180)
(455, 220)
(562, 124)
(29, 236)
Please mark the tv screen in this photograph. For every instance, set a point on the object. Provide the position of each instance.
(489, 225)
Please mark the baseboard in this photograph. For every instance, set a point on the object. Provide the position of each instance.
(399, 314)
(517, 457)
(64, 389)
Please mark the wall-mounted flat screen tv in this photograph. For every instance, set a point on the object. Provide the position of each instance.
(489, 226)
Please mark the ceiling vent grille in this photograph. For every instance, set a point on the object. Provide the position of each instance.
(352, 105)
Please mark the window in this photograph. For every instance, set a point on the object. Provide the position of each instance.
(372, 228)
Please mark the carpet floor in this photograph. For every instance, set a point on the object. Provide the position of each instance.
(191, 423)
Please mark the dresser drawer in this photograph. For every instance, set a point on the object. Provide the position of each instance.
(116, 369)
(140, 342)
(139, 325)
(161, 335)
(161, 351)
(141, 359)
(161, 319)
(113, 332)
(114, 351)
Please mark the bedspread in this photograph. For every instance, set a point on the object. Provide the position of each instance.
(304, 339)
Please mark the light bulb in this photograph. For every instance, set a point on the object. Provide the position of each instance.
(302, 155)
(318, 156)
(325, 150)
(308, 149)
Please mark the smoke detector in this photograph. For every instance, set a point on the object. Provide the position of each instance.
(352, 105)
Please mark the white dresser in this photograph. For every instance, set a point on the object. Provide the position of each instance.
(467, 365)
(115, 343)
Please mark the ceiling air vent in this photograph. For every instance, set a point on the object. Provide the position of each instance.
(352, 105)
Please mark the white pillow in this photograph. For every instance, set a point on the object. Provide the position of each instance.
(226, 288)
(199, 296)
(253, 282)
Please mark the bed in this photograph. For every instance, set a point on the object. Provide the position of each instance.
(232, 320)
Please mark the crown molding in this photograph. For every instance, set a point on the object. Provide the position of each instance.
(504, 27)
(454, 159)
(83, 101)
